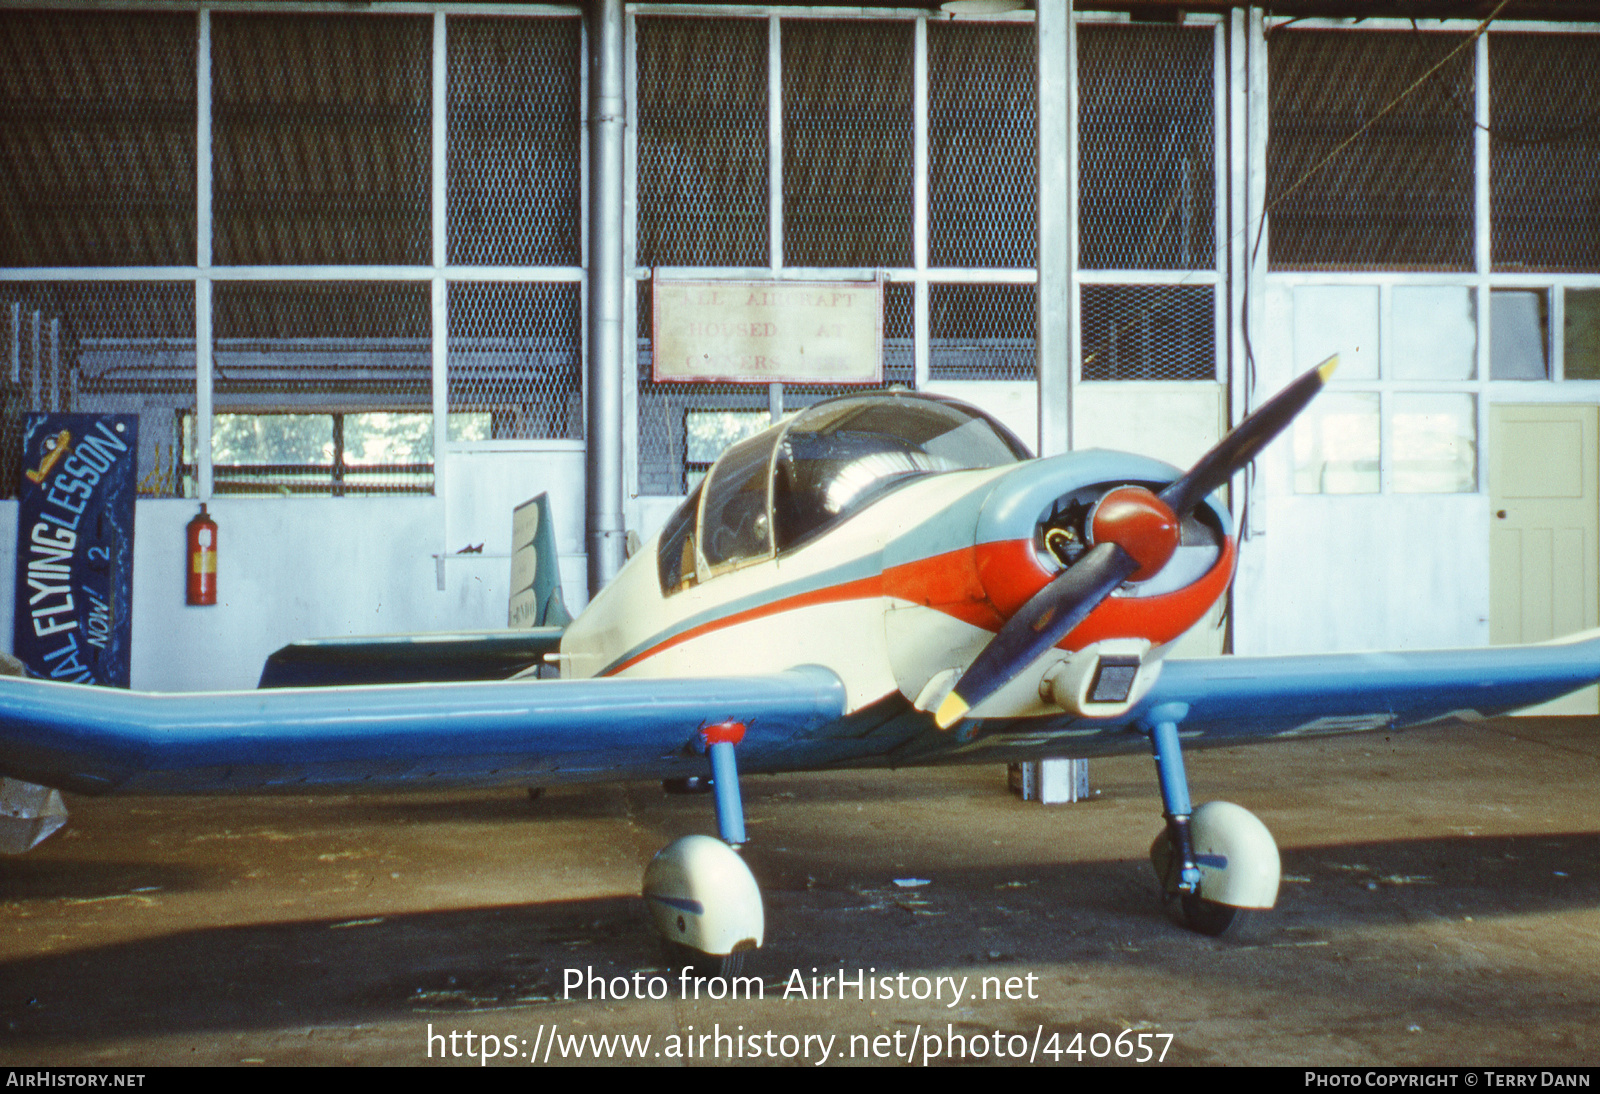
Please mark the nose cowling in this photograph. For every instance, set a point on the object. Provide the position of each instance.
(1027, 527)
(1043, 516)
(1091, 577)
(1046, 516)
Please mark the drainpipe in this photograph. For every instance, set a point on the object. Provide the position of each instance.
(603, 520)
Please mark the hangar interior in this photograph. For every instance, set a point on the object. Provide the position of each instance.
(345, 267)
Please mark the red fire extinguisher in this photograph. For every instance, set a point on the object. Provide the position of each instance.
(202, 559)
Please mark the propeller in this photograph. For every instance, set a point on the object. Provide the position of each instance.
(1135, 532)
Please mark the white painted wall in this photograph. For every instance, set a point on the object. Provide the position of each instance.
(1369, 572)
(1355, 572)
(1175, 422)
(293, 568)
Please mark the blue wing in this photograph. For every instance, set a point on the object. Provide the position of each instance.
(1230, 698)
(1235, 700)
(96, 740)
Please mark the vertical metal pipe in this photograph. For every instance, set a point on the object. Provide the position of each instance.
(630, 256)
(1483, 254)
(603, 368)
(203, 345)
(1482, 257)
(1056, 292)
(439, 324)
(920, 344)
(439, 364)
(1236, 226)
(1258, 226)
(203, 142)
(775, 144)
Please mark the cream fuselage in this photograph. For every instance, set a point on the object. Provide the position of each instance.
(901, 595)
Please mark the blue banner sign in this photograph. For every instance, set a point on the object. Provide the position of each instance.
(75, 546)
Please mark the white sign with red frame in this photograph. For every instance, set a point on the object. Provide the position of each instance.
(758, 332)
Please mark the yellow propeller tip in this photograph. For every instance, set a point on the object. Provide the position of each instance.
(950, 711)
(1326, 369)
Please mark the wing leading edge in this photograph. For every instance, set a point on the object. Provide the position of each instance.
(1237, 698)
(98, 740)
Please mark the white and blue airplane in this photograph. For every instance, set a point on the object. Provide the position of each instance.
(881, 580)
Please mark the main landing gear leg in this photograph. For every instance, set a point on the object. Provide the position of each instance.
(725, 781)
(1183, 872)
(702, 897)
(1217, 860)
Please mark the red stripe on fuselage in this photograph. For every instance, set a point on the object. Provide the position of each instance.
(860, 589)
(988, 584)
(984, 586)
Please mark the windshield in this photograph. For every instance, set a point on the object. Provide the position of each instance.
(781, 488)
(838, 456)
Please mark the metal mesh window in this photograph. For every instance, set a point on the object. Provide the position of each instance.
(322, 138)
(1544, 99)
(899, 314)
(97, 139)
(1401, 195)
(516, 354)
(665, 409)
(1147, 148)
(702, 174)
(983, 135)
(313, 360)
(100, 347)
(847, 164)
(982, 332)
(1149, 332)
(515, 131)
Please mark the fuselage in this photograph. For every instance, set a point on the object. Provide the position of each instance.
(893, 594)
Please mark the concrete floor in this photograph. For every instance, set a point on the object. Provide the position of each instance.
(1441, 905)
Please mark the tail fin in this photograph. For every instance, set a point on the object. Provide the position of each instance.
(535, 572)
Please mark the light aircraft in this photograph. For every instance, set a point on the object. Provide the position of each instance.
(881, 580)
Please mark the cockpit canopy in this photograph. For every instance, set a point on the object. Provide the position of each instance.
(778, 490)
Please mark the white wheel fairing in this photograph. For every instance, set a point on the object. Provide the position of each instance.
(1238, 859)
(1239, 863)
(702, 895)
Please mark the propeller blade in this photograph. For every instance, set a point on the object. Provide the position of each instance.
(1247, 439)
(1039, 624)
(1060, 606)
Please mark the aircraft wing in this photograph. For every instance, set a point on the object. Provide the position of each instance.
(534, 733)
(539, 733)
(1235, 698)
